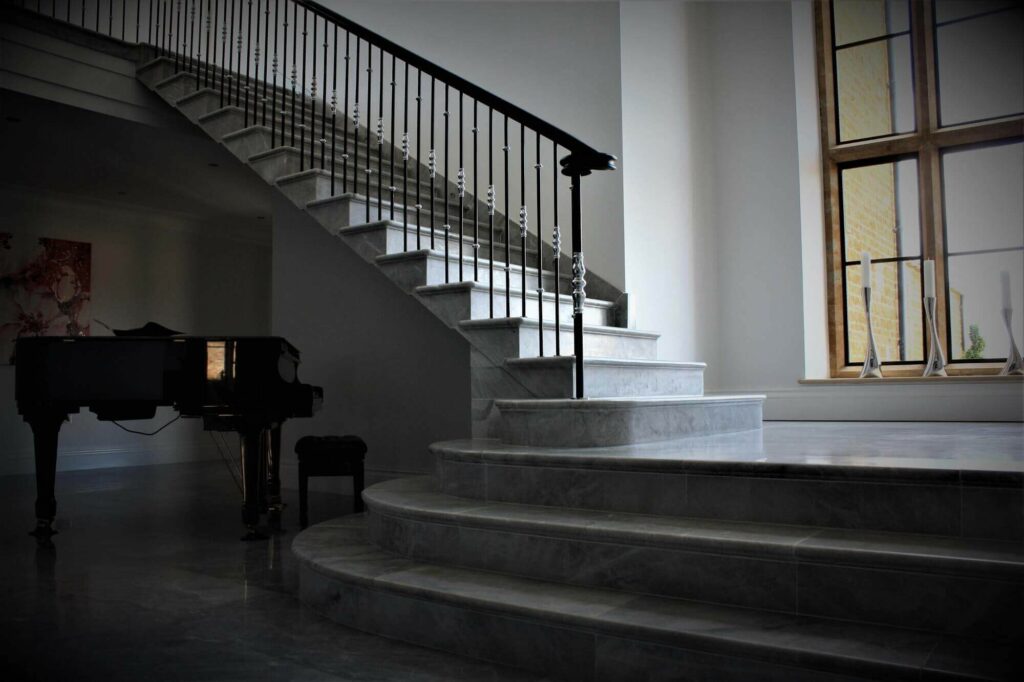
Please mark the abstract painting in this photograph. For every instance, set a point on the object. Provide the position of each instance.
(45, 288)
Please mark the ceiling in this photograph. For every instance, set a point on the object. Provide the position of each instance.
(175, 169)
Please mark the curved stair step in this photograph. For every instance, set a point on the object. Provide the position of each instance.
(585, 633)
(791, 569)
(744, 476)
(597, 422)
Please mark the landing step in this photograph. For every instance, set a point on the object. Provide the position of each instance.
(808, 475)
(555, 377)
(585, 633)
(803, 570)
(598, 422)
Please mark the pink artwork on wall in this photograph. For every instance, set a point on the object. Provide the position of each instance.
(45, 288)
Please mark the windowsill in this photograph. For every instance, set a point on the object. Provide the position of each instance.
(959, 379)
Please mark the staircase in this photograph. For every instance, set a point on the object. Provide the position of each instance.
(608, 538)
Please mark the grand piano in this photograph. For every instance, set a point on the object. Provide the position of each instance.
(244, 384)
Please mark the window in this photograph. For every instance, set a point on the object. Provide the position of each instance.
(922, 118)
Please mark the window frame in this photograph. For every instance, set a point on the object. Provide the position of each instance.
(926, 143)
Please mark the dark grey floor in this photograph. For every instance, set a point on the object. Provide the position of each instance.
(147, 580)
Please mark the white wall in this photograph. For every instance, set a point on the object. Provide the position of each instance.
(146, 265)
(670, 241)
(392, 373)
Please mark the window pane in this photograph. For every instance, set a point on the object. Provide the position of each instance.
(880, 210)
(895, 312)
(862, 19)
(948, 10)
(976, 329)
(875, 89)
(981, 67)
(984, 199)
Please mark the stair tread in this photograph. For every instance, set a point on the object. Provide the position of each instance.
(779, 449)
(419, 496)
(424, 235)
(565, 326)
(613, 402)
(439, 289)
(453, 256)
(339, 549)
(608, 362)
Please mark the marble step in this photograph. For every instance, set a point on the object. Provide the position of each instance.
(314, 184)
(555, 377)
(584, 633)
(460, 301)
(390, 236)
(155, 70)
(848, 575)
(412, 269)
(743, 476)
(597, 422)
(518, 337)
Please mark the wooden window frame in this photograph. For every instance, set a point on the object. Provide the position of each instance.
(926, 144)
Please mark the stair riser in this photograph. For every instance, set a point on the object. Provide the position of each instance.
(938, 508)
(524, 342)
(417, 272)
(174, 88)
(248, 142)
(152, 75)
(199, 103)
(641, 423)
(562, 650)
(456, 306)
(968, 605)
(610, 382)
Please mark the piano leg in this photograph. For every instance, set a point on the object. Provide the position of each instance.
(252, 453)
(274, 478)
(45, 430)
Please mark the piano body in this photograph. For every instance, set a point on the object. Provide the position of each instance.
(243, 384)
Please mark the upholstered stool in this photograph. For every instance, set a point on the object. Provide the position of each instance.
(329, 456)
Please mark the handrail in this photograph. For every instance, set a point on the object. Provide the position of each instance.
(217, 48)
(571, 143)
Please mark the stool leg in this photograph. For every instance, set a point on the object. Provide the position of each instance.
(303, 490)
(357, 489)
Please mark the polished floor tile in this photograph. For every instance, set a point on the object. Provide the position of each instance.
(147, 580)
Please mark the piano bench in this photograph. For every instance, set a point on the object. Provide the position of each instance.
(329, 456)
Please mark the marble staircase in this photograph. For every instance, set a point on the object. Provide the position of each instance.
(594, 539)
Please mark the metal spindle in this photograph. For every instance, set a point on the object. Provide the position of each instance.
(523, 217)
(579, 282)
(540, 251)
(419, 204)
(508, 250)
(273, 74)
(252, 89)
(302, 95)
(295, 68)
(432, 160)
(447, 225)
(323, 112)
(369, 117)
(334, 111)
(284, 80)
(192, 41)
(312, 99)
(124, 14)
(476, 201)
(355, 129)
(391, 183)
(230, 48)
(179, 60)
(97, 15)
(110, 17)
(344, 139)
(556, 245)
(490, 204)
(266, 48)
(380, 136)
(461, 179)
(149, 22)
(197, 53)
(238, 50)
(167, 32)
(224, 68)
(83, 21)
(203, 63)
(405, 160)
